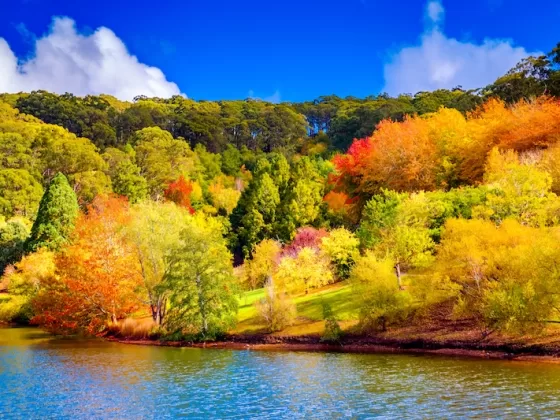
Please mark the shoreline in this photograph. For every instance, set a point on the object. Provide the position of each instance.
(367, 345)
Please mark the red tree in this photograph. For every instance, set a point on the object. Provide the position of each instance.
(179, 192)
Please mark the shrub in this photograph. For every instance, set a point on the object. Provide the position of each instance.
(276, 310)
(332, 332)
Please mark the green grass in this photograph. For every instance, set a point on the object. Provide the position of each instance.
(309, 309)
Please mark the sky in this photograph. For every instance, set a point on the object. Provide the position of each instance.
(283, 50)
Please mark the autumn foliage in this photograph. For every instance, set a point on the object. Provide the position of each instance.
(179, 192)
(96, 275)
(444, 149)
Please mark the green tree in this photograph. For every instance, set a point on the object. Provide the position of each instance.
(13, 234)
(125, 174)
(163, 159)
(20, 193)
(202, 301)
(56, 216)
(341, 248)
(154, 230)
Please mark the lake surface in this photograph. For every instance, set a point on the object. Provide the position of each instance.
(64, 378)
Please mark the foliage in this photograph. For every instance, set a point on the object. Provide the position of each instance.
(55, 218)
(13, 235)
(154, 232)
(276, 309)
(202, 299)
(21, 193)
(97, 274)
(23, 281)
(308, 270)
(332, 333)
(379, 300)
(262, 266)
(179, 192)
(341, 247)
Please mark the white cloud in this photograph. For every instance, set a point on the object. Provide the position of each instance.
(66, 61)
(435, 11)
(440, 62)
(275, 98)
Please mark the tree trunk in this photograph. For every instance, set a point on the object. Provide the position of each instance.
(398, 272)
(202, 306)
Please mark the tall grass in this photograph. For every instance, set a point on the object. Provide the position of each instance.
(138, 329)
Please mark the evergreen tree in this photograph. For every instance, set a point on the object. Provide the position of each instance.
(56, 216)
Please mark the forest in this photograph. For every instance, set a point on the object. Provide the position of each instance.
(184, 216)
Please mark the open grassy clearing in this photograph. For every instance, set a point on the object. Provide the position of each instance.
(309, 310)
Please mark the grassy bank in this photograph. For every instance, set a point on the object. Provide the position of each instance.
(309, 311)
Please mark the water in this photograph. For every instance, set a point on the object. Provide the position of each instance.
(54, 378)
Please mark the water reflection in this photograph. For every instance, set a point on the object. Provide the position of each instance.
(45, 377)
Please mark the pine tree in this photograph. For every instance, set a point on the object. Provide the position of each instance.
(56, 216)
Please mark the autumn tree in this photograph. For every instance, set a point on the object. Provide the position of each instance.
(179, 192)
(97, 275)
(303, 272)
(260, 269)
(23, 281)
(378, 298)
(125, 174)
(13, 234)
(408, 247)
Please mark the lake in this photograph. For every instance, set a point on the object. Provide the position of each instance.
(41, 376)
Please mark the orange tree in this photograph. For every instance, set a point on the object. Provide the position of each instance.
(96, 276)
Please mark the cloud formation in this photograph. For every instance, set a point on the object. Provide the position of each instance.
(275, 98)
(66, 61)
(439, 62)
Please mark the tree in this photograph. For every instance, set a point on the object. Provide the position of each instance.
(224, 198)
(379, 214)
(507, 275)
(23, 281)
(163, 159)
(13, 234)
(90, 184)
(407, 247)
(154, 230)
(20, 193)
(125, 174)
(202, 301)
(276, 309)
(260, 269)
(341, 248)
(303, 272)
(378, 298)
(516, 190)
(179, 192)
(97, 274)
(55, 218)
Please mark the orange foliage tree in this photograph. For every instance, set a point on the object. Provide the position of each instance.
(179, 192)
(96, 276)
(443, 149)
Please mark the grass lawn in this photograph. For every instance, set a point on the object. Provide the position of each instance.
(309, 310)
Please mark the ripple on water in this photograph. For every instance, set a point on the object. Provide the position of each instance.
(63, 379)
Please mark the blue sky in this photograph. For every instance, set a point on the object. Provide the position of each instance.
(279, 50)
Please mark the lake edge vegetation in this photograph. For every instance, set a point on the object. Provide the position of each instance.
(175, 219)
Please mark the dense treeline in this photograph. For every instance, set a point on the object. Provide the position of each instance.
(447, 199)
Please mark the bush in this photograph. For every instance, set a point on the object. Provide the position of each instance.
(276, 310)
(377, 293)
(332, 332)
